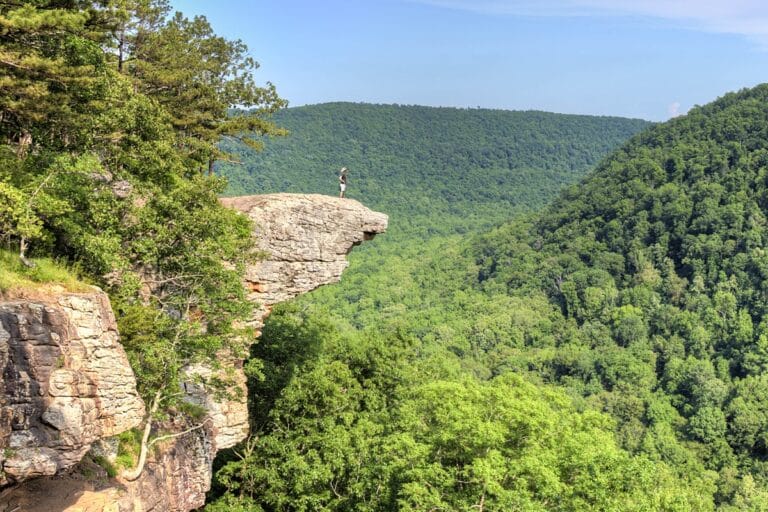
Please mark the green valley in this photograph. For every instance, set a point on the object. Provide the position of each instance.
(433, 170)
(635, 297)
(568, 313)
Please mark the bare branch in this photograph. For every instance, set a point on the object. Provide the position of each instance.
(179, 434)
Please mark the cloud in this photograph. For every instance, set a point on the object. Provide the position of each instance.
(747, 18)
(674, 109)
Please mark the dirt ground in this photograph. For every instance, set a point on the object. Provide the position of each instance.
(74, 491)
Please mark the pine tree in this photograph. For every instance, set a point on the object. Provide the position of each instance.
(198, 77)
(100, 168)
(52, 71)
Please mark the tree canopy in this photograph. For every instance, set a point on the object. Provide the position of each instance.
(106, 134)
(607, 353)
(433, 170)
(636, 298)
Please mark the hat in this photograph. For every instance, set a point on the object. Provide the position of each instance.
(343, 169)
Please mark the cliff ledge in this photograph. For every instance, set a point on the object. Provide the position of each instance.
(67, 382)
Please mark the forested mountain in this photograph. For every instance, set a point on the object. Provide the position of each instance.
(655, 266)
(434, 170)
(638, 299)
(607, 354)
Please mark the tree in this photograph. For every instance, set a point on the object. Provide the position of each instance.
(198, 77)
(98, 168)
(643, 291)
(51, 63)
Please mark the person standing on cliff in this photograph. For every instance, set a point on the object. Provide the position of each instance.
(342, 181)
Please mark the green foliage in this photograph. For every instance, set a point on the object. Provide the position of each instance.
(16, 219)
(101, 162)
(128, 446)
(433, 170)
(197, 77)
(670, 227)
(639, 293)
(51, 71)
(15, 277)
(364, 428)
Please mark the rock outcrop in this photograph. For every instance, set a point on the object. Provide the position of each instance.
(303, 241)
(66, 382)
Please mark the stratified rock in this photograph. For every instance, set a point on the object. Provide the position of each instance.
(303, 240)
(66, 382)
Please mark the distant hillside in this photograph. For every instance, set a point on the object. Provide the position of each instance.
(434, 170)
(639, 299)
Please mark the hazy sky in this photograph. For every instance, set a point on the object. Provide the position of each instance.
(649, 59)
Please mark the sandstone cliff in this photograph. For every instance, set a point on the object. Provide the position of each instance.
(304, 240)
(66, 382)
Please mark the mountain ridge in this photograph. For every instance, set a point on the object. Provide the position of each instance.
(423, 163)
(639, 295)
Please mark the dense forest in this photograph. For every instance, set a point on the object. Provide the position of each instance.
(626, 320)
(655, 266)
(433, 170)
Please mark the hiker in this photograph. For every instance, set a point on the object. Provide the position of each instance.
(342, 181)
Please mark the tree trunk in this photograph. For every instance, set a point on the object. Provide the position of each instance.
(133, 475)
(23, 254)
(120, 51)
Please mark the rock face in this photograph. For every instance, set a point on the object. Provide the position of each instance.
(66, 382)
(304, 240)
(175, 479)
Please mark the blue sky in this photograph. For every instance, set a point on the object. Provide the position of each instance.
(649, 59)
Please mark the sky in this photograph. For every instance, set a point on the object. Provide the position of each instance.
(650, 59)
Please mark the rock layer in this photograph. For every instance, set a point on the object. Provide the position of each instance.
(303, 241)
(66, 382)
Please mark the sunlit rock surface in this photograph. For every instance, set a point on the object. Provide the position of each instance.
(303, 241)
(66, 382)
